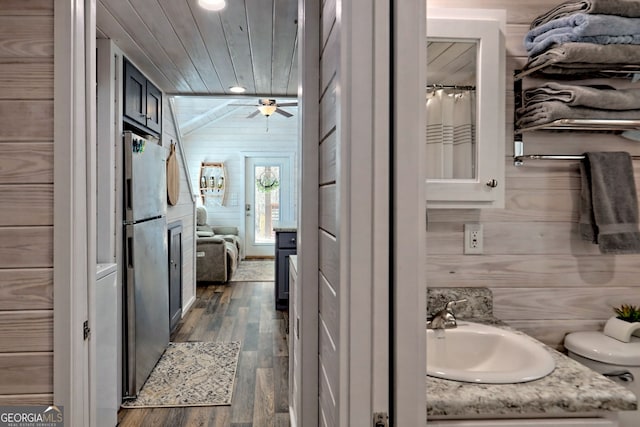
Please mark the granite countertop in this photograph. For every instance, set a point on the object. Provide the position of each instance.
(571, 388)
(286, 227)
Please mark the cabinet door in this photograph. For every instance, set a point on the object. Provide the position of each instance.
(154, 107)
(283, 274)
(175, 275)
(135, 94)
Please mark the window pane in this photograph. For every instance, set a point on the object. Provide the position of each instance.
(267, 203)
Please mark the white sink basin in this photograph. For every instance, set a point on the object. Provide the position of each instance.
(478, 353)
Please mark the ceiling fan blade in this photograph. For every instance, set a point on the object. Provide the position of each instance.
(242, 105)
(252, 115)
(288, 104)
(284, 113)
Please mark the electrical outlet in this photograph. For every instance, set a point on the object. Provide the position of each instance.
(473, 239)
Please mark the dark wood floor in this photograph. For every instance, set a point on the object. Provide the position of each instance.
(237, 311)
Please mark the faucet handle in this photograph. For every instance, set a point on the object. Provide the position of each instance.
(449, 305)
(445, 318)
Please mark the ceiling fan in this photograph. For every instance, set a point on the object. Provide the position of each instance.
(267, 107)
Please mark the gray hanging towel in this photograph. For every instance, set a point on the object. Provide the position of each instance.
(609, 205)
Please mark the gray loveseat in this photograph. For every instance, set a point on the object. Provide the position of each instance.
(217, 250)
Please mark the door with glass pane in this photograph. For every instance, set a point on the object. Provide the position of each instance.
(268, 202)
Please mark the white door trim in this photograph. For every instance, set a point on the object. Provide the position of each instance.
(409, 207)
(363, 108)
(308, 147)
(91, 202)
(72, 271)
(381, 207)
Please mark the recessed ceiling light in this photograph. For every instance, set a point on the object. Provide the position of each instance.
(237, 89)
(212, 4)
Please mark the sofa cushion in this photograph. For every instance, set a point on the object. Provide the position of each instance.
(225, 230)
(204, 233)
(212, 239)
(232, 238)
(201, 216)
(204, 228)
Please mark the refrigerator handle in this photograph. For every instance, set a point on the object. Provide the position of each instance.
(129, 370)
(130, 252)
(128, 196)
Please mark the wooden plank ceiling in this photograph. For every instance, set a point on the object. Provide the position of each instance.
(187, 50)
(451, 63)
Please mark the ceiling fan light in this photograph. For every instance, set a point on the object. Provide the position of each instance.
(237, 89)
(267, 110)
(214, 5)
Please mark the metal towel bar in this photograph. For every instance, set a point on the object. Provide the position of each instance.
(591, 125)
(519, 157)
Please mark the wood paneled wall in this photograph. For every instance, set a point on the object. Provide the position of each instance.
(26, 209)
(184, 211)
(545, 280)
(330, 288)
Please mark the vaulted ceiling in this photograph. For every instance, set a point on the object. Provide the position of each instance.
(187, 50)
(197, 113)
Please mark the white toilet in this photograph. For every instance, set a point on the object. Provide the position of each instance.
(615, 359)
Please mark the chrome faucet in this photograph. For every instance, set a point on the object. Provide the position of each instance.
(445, 318)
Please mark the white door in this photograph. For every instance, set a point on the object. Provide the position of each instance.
(344, 224)
(268, 202)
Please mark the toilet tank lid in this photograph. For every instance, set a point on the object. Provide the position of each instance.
(597, 346)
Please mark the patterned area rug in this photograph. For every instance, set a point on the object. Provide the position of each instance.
(255, 271)
(191, 374)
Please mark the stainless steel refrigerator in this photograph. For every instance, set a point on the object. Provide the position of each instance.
(146, 289)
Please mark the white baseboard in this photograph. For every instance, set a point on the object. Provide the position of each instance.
(187, 306)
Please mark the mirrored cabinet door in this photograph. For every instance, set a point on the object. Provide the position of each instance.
(465, 98)
(451, 109)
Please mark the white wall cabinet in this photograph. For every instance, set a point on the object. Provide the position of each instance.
(465, 143)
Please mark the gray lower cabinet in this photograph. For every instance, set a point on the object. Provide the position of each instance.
(285, 247)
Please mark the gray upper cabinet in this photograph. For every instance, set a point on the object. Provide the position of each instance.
(142, 100)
